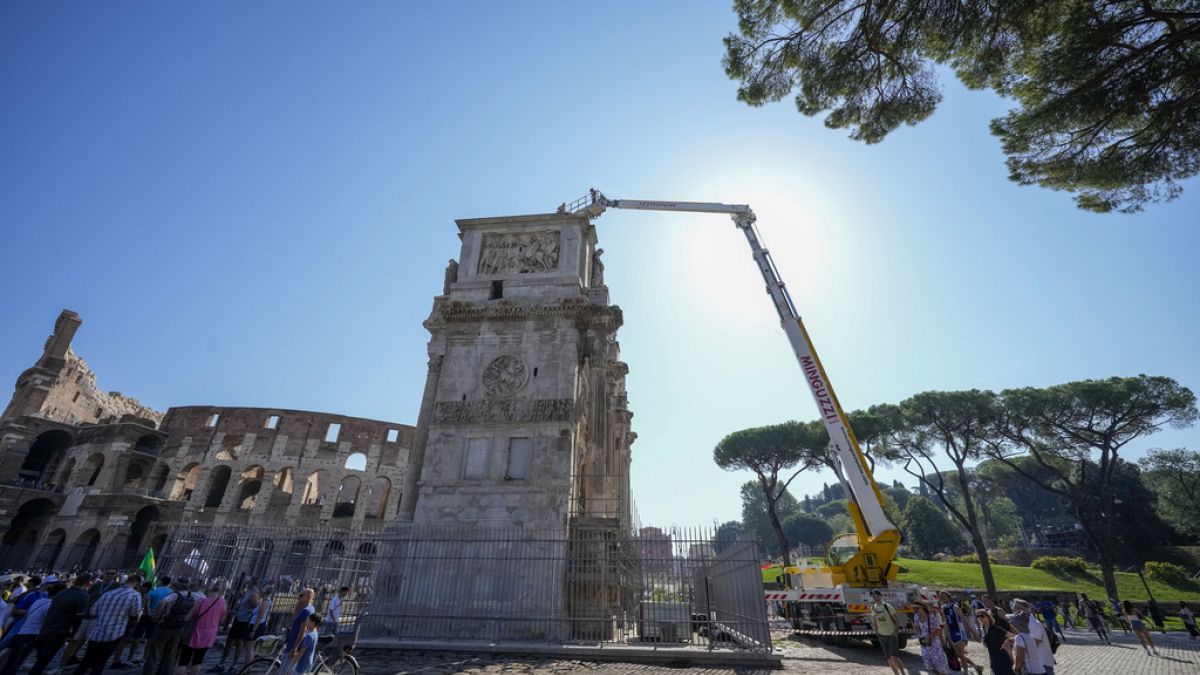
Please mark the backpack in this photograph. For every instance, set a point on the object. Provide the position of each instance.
(176, 616)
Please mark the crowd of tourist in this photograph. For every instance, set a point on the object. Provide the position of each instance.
(100, 621)
(1019, 641)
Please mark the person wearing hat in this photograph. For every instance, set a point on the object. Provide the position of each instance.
(23, 641)
(1025, 655)
(996, 640)
(887, 631)
(929, 627)
(1041, 647)
(63, 617)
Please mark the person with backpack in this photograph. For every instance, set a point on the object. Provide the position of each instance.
(169, 617)
(887, 631)
(1044, 642)
(205, 618)
(64, 615)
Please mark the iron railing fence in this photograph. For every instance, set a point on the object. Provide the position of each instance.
(282, 560)
(590, 583)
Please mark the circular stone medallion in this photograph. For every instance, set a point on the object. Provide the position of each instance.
(505, 376)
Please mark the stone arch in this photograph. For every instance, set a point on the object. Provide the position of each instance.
(316, 487)
(92, 468)
(149, 444)
(44, 455)
(84, 549)
(51, 549)
(334, 548)
(347, 497)
(285, 480)
(375, 503)
(142, 523)
(217, 486)
(260, 558)
(248, 496)
(357, 461)
(20, 539)
(186, 481)
(134, 473)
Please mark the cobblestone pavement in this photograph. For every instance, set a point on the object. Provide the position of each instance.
(1081, 654)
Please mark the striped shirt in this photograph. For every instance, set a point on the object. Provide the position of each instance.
(113, 611)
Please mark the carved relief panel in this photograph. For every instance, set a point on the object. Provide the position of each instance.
(519, 252)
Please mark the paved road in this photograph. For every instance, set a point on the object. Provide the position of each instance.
(1081, 655)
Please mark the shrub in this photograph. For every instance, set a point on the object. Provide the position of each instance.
(1061, 565)
(1168, 573)
(968, 558)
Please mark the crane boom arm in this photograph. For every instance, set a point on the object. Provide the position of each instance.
(855, 474)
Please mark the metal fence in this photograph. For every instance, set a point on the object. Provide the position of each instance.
(283, 560)
(592, 583)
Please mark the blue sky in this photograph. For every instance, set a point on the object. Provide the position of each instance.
(252, 204)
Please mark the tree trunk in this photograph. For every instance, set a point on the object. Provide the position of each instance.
(1107, 563)
(779, 535)
(976, 534)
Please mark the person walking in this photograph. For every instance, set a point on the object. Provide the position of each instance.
(1025, 653)
(1043, 639)
(107, 582)
(169, 616)
(205, 618)
(240, 633)
(957, 631)
(24, 642)
(928, 627)
(997, 641)
(887, 631)
(1189, 619)
(990, 606)
(1092, 613)
(1134, 617)
(66, 611)
(1048, 608)
(111, 615)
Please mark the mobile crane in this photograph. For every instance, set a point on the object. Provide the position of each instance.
(831, 599)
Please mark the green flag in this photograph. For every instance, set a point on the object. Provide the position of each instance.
(147, 566)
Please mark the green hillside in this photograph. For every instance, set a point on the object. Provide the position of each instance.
(1008, 578)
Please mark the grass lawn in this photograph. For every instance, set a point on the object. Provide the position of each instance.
(1008, 578)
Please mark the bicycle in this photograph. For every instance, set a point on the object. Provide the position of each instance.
(323, 662)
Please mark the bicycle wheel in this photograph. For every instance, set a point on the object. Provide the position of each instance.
(347, 665)
(263, 665)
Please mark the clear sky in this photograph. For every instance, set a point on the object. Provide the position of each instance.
(252, 204)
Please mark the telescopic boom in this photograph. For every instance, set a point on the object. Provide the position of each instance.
(870, 519)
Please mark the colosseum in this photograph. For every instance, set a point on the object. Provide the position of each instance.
(93, 479)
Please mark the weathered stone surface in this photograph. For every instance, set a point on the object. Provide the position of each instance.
(93, 479)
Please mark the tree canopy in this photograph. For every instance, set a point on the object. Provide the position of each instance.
(1105, 92)
(1174, 476)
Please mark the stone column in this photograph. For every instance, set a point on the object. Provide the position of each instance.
(416, 455)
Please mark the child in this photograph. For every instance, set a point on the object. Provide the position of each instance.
(300, 659)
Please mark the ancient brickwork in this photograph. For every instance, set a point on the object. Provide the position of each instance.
(92, 479)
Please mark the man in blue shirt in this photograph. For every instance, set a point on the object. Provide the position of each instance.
(304, 609)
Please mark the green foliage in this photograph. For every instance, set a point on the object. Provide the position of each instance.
(756, 520)
(1061, 565)
(1168, 573)
(769, 452)
(927, 531)
(727, 533)
(968, 558)
(1104, 92)
(831, 509)
(1174, 477)
(807, 529)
